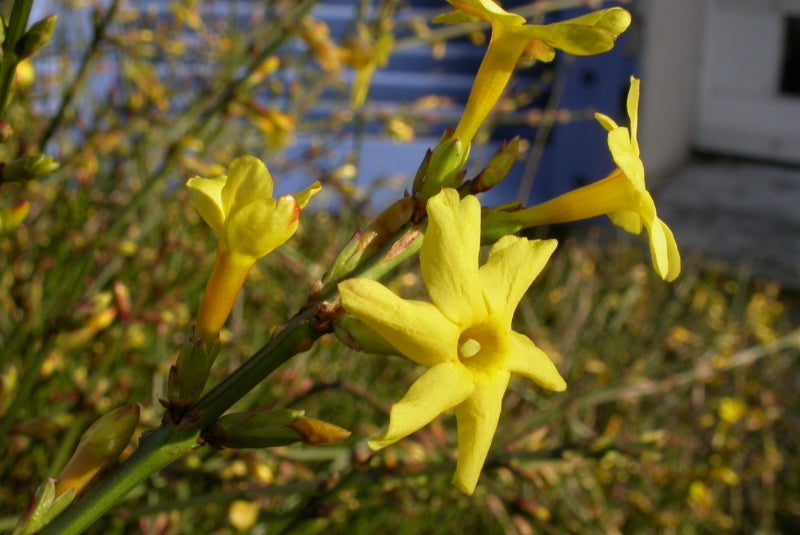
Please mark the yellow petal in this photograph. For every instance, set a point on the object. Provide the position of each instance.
(304, 196)
(663, 249)
(439, 389)
(673, 255)
(633, 113)
(614, 20)
(449, 256)
(512, 266)
(606, 121)
(206, 196)
(477, 422)
(261, 226)
(527, 360)
(13, 216)
(248, 179)
(627, 220)
(571, 38)
(418, 330)
(619, 143)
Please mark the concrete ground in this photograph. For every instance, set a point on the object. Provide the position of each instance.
(743, 214)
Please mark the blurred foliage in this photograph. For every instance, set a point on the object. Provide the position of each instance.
(681, 399)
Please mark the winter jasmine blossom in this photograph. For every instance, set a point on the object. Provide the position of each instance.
(464, 336)
(250, 224)
(621, 195)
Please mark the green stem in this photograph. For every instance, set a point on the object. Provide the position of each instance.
(296, 336)
(17, 23)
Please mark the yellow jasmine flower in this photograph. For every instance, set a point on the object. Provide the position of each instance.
(250, 224)
(512, 39)
(621, 195)
(465, 335)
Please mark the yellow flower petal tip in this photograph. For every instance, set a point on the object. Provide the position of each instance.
(464, 336)
(239, 207)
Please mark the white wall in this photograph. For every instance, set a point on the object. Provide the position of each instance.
(672, 42)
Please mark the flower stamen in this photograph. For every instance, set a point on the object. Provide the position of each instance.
(469, 348)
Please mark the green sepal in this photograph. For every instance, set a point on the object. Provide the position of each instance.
(498, 222)
(355, 334)
(44, 507)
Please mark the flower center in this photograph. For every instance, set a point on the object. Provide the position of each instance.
(469, 348)
(481, 346)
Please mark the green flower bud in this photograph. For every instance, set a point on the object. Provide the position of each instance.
(497, 169)
(446, 162)
(99, 447)
(268, 429)
(28, 168)
(37, 37)
(254, 429)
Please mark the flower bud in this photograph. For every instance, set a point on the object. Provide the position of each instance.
(28, 168)
(99, 447)
(254, 429)
(421, 171)
(497, 169)
(447, 159)
(37, 37)
(267, 429)
(188, 377)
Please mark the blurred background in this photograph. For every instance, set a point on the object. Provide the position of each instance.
(681, 410)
